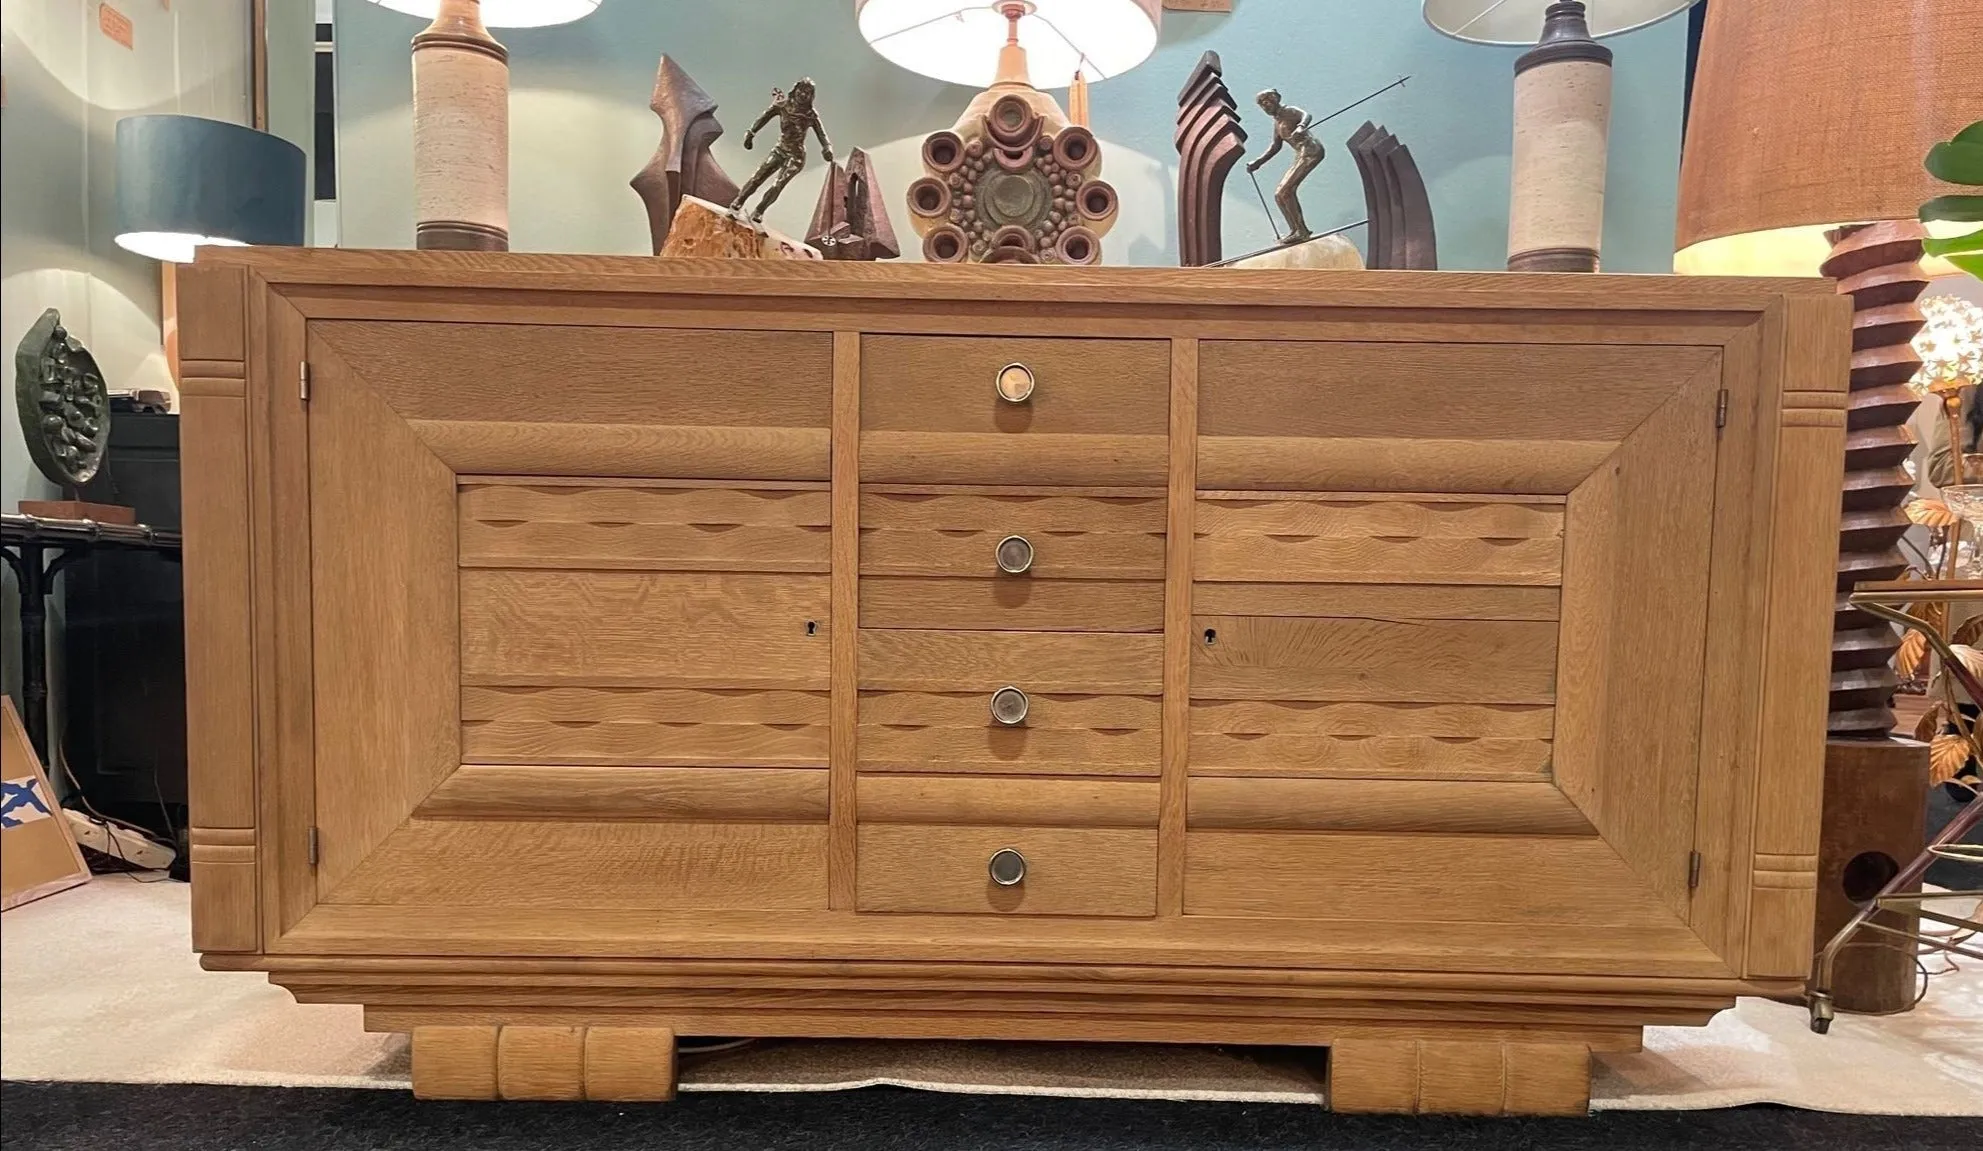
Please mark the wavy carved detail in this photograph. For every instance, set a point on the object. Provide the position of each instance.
(1879, 267)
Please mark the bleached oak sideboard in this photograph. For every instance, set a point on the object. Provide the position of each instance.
(586, 651)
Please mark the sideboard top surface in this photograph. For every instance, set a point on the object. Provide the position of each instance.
(845, 281)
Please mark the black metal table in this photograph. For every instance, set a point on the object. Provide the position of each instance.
(25, 542)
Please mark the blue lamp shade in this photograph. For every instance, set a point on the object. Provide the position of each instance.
(183, 181)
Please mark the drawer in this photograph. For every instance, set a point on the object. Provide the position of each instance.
(932, 731)
(1091, 563)
(932, 410)
(1092, 703)
(1067, 871)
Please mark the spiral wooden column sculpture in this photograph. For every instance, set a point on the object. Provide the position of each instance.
(1878, 265)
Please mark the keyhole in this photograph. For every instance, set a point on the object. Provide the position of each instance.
(812, 627)
(1211, 636)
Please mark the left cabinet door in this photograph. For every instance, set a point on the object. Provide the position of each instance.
(568, 617)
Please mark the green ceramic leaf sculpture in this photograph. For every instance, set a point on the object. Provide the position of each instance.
(1958, 161)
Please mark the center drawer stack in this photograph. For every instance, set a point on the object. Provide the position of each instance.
(1011, 600)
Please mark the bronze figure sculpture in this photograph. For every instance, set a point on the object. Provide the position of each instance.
(1291, 126)
(682, 165)
(796, 117)
(63, 403)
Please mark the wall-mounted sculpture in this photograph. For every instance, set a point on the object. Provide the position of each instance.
(850, 222)
(63, 403)
(1209, 142)
(1013, 183)
(682, 165)
(1401, 233)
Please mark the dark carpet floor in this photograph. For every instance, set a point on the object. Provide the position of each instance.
(100, 1116)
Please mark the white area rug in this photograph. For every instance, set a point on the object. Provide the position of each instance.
(99, 983)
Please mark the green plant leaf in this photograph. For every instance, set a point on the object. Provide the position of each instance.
(1957, 163)
(1970, 135)
(1971, 262)
(1963, 209)
(1950, 245)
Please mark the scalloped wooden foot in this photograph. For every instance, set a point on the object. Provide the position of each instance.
(611, 1064)
(1459, 1077)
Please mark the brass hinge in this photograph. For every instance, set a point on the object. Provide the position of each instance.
(303, 381)
(1694, 861)
(310, 851)
(1720, 411)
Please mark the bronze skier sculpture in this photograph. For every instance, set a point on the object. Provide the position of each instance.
(796, 117)
(1291, 126)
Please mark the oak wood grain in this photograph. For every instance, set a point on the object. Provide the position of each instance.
(963, 800)
(842, 848)
(649, 629)
(509, 865)
(1442, 807)
(1047, 663)
(1003, 603)
(626, 526)
(1377, 601)
(1179, 550)
(558, 792)
(1430, 661)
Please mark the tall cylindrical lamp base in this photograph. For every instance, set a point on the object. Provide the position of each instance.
(1562, 129)
(460, 133)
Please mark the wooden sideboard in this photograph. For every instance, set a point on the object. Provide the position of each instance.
(585, 651)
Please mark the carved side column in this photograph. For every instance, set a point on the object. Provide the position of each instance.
(1878, 265)
(461, 133)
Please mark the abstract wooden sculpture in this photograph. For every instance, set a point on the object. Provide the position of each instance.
(1401, 234)
(682, 165)
(849, 222)
(1209, 142)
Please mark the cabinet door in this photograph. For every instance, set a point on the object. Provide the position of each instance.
(568, 617)
(1451, 611)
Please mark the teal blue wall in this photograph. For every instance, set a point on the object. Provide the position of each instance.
(580, 126)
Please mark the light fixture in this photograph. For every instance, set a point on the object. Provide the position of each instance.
(1562, 115)
(506, 13)
(1519, 22)
(1950, 345)
(959, 41)
(461, 134)
(184, 181)
(1804, 154)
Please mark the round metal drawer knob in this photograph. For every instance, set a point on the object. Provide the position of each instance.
(1015, 555)
(1009, 705)
(1015, 383)
(1007, 867)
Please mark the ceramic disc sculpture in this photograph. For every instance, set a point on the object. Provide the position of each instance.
(1013, 183)
(62, 401)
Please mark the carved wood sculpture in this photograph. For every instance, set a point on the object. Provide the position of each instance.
(1401, 231)
(1209, 141)
(1880, 268)
(1016, 183)
(682, 165)
(850, 222)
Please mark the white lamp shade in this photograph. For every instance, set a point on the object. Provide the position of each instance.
(1519, 22)
(958, 40)
(506, 13)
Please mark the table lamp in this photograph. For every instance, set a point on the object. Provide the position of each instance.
(1804, 157)
(461, 145)
(184, 181)
(1562, 115)
(1015, 178)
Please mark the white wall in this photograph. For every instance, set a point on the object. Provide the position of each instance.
(580, 126)
(67, 85)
